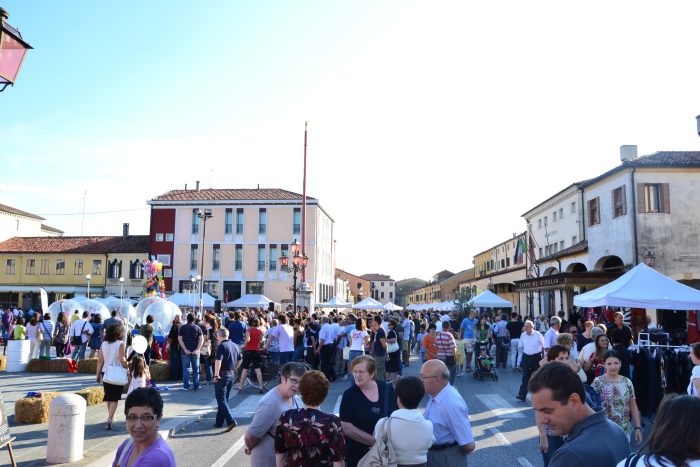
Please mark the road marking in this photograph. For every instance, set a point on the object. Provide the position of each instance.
(336, 408)
(232, 451)
(247, 406)
(499, 406)
(524, 462)
(500, 437)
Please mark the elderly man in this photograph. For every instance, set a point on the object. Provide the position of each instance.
(550, 337)
(448, 412)
(531, 345)
(559, 400)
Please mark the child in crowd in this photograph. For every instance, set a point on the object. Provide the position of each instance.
(459, 358)
(419, 342)
(485, 360)
(19, 332)
(138, 374)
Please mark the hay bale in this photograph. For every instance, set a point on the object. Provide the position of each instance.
(160, 371)
(34, 409)
(3, 362)
(87, 365)
(38, 366)
(93, 395)
(58, 365)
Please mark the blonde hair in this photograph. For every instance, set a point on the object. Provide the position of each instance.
(565, 339)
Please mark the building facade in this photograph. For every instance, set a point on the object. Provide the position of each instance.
(237, 249)
(383, 287)
(359, 288)
(17, 223)
(405, 287)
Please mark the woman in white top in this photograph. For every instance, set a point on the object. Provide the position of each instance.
(111, 352)
(675, 438)
(359, 338)
(411, 434)
(694, 385)
(32, 331)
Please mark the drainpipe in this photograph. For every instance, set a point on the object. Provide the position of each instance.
(583, 217)
(561, 290)
(634, 217)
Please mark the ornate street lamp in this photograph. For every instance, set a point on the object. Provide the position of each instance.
(649, 259)
(203, 214)
(12, 51)
(299, 263)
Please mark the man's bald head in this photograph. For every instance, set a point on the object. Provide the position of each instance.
(435, 376)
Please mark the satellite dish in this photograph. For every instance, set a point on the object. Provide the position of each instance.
(139, 344)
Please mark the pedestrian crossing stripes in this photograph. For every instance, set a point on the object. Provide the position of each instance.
(499, 406)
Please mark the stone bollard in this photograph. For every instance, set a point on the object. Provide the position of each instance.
(66, 429)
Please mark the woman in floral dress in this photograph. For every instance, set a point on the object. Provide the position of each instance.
(617, 396)
(308, 437)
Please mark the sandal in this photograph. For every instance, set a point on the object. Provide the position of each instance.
(109, 424)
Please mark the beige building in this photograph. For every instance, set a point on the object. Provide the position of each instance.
(248, 231)
(17, 223)
(359, 288)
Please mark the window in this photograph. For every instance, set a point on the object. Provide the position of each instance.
(165, 259)
(97, 267)
(594, 211)
(239, 220)
(391, 295)
(78, 267)
(159, 237)
(168, 237)
(654, 197)
(391, 284)
(211, 287)
(167, 272)
(273, 258)
(284, 250)
(359, 284)
(114, 269)
(503, 263)
(619, 201)
(561, 245)
(507, 262)
(261, 257)
(554, 216)
(10, 266)
(262, 221)
(216, 257)
(44, 267)
(31, 266)
(297, 221)
(574, 240)
(382, 294)
(194, 250)
(60, 267)
(195, 222)
(254, 287)
(573, 207)
(228, 228)
(561, 213)
(539, 223)
(382, 284)
(238, 260)
(135, 270)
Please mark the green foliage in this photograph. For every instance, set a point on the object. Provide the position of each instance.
(463, 299)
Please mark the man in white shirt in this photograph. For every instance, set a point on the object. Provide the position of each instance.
(82, 329)
(326, 348)
(550, 337)
(284, 334)
(531, 344)
(407, 325)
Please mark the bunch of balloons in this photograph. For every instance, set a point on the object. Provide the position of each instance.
(155, 285)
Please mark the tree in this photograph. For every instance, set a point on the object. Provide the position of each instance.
(463, 298)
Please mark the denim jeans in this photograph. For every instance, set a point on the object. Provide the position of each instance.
(79, 351)
(286, 357)
(45, 348)
(208, 368)
(298, 353)
(190, 366)
(222, 390)
(175, 360)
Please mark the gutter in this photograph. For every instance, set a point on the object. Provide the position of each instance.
(634, 216)
(583, 214)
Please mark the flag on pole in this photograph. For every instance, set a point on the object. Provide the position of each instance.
(520, 251)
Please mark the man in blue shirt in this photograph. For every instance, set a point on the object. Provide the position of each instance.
(191, 340)
(467, 328)
(227, 355)
(236, 328)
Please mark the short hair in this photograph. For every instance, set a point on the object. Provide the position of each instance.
(114, 313)
(149, 319)
(565, 339)
(514, 315)
(559, 378)
(377, 319)
(554, 352)
(47, 316)
(596, 331)
(554, 320)
(393, 323)
(695, 348)
(368, 360)
(144, 397)
(410, 391)
(676, 432)
(282, 319)
(313, 387)
(432, 326)
(254, 322)
(588, 323)
(97, 319)
(222, 332)
(114, 333)
(86, 314)
(292, 368)
(445, 324)
(190, 318)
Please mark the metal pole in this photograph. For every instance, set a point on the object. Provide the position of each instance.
(294, 276)
(303, 212)
(201, 267)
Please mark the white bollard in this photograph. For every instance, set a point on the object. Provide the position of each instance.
(17, 355)
(66, 429)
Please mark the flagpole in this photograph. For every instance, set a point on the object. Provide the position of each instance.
(303, 208)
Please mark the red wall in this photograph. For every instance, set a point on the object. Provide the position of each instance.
(163, 222)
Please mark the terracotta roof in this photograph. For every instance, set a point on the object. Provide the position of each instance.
(48, 228)
(580, 247)
(19, 212)
(231, 194)
(376, 277)
(131, 244)
(670, 158)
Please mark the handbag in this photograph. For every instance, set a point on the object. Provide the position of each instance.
(115, 374)
(381, 454)
(346, 353)
(78, 340)
(39, 334)
(391, 348)
(205, 350)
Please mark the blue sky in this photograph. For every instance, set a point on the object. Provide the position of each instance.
(432, 124)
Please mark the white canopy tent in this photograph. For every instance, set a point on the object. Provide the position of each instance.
(391, 306)
(188, 299)
(334, 302)
(488, 299)
(642, 287)
(250, 301)
(368, 304)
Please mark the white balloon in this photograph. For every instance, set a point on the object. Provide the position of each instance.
(142, 305)
(139, 344)
(163, 314)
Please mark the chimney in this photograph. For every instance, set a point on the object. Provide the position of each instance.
(185, 186)
(197, 186)
(125, 230)
(628, 152)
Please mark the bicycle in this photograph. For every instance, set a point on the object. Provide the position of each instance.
(269, 369)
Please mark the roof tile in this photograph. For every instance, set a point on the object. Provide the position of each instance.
(131, 244)
(230, 194)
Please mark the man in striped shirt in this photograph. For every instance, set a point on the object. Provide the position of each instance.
(446, 348)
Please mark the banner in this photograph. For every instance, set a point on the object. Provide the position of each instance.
(44, 300)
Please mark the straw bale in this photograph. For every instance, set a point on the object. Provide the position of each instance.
(56, 365)
(160, 371)
(93, 395)
(3, 362)
(38, 366)
(87, 365)
(34, 409)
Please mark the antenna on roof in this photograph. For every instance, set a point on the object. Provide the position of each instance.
(82, 222)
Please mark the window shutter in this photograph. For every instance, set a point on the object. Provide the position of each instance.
(665, 198)
(597, 206)
(614, 204)
(641, 200)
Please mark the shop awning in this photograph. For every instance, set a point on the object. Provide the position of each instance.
(567, 279)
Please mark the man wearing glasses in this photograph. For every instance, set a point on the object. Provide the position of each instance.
(448, 412)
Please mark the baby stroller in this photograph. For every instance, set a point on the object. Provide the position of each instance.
(484, 364)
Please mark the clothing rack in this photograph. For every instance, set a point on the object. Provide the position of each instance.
(643, 342)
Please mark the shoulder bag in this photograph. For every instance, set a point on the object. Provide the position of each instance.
(78, 340)
(391, 348)
(205, 350)
(39, 334)
(381, 454)
(115, 373)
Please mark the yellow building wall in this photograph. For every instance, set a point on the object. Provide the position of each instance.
(70, 277)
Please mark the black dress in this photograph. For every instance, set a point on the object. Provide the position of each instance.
(393, 364)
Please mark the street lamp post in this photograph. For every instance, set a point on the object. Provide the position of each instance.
(12, 51)
(299, 262)
(121, 288)
(203, 214)
(87, 303)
